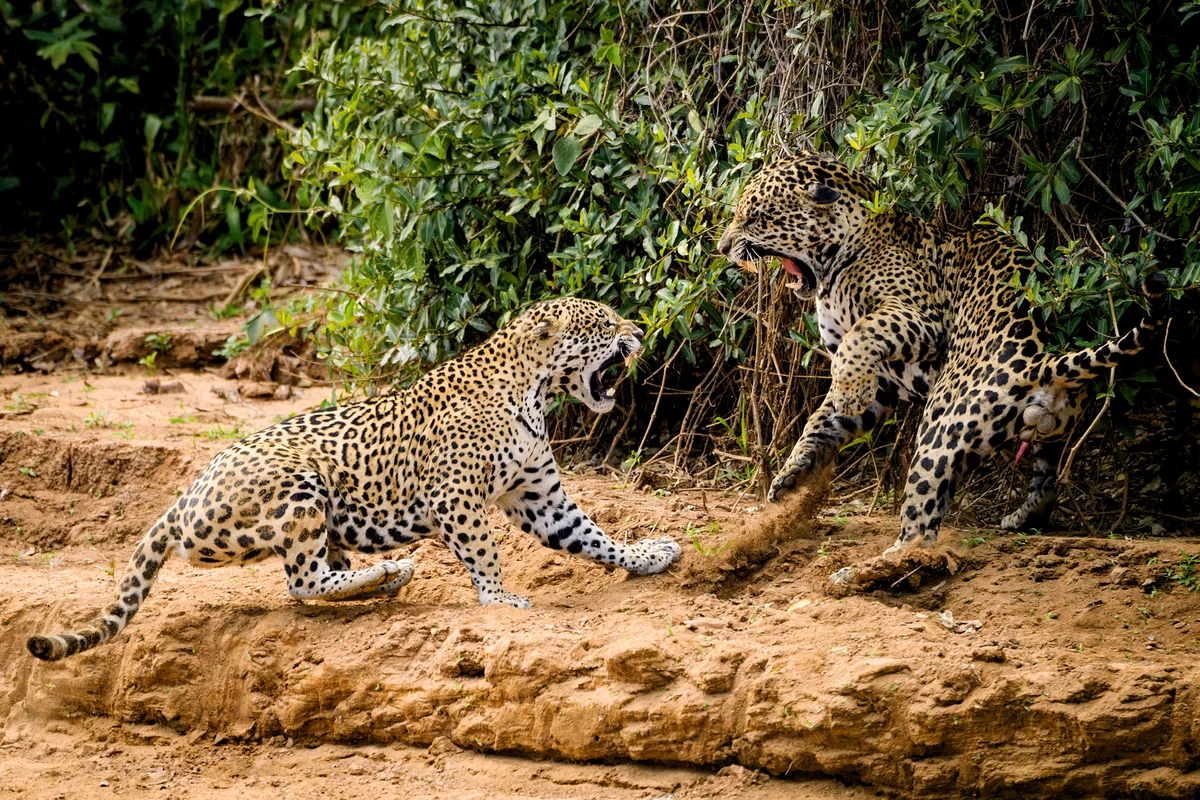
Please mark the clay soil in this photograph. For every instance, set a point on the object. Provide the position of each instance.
(993, 666)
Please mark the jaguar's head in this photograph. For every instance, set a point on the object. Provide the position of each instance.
(802, 211)
(584, 339)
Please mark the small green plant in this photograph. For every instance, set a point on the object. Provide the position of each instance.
(109, 567)
(97, 419)
(227, 311)
(234, 346)
(29, 471)
(1186, 573)
(158, 343)
(182, 419)
(124, 429)
(694, 533)
(113, 314)
(20, 403)
(976, 540)
(220, 432)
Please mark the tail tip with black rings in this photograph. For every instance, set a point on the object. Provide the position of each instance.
(43, 647)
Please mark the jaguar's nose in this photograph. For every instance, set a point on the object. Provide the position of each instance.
(637, 332)
(726, 244)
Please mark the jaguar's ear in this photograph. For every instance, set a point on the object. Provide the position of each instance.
(823, 195)
(548, 326)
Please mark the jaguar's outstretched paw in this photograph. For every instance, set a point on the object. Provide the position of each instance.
(505, 597)
(651, 556)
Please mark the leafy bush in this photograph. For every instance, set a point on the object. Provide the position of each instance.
(483, 155)
(97, 125)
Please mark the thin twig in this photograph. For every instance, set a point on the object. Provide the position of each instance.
(1174, 372)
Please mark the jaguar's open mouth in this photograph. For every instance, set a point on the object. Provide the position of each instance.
(806, 280)
(622, 355)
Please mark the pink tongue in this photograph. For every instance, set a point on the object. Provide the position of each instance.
(792, 267)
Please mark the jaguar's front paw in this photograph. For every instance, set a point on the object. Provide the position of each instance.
(1014, 521)
(505, 597)
(399, 574)
(790, 477)
(653, 555)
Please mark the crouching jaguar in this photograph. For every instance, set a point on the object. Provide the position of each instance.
(423, 461)
(911, 310)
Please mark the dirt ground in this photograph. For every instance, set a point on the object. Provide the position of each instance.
(1002, 666)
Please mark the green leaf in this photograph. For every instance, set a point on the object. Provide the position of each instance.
(566, 152)
(587, 126)
(1061, 190)
(151, 127)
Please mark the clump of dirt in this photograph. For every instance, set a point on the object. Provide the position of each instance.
(905, 571)
(758, 542)
(282, 359)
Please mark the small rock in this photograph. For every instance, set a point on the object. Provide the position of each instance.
(283, 392)
(229, 393)
(443, 746)
(947, 621)
(994, 655)
(705, 625)
(743, 775)
(643, 664)
(150, 386)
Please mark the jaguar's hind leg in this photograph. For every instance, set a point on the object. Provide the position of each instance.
(1039, 504)
(302, 539)
(950, 441)
(339, 561)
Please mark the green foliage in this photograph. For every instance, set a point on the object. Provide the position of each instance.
(482, 156)
(1083, 147)
(97, 126)
(234, 346)
(1186, 573)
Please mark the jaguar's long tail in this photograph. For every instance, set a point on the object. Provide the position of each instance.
(139, 576)
(1072, 369)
